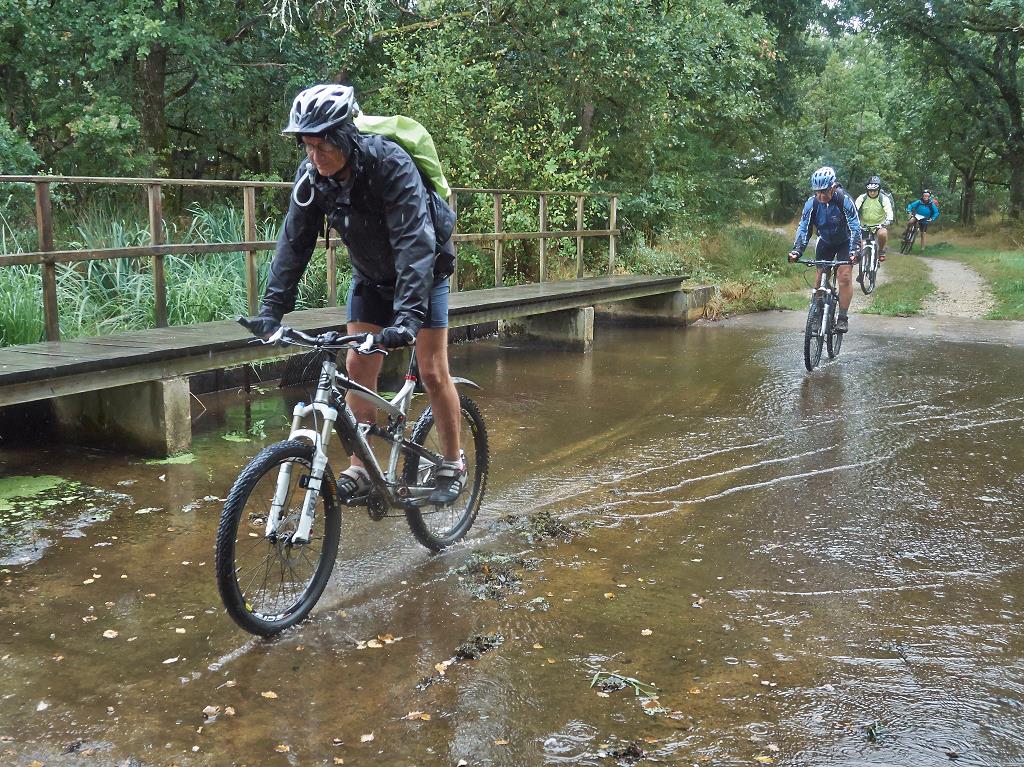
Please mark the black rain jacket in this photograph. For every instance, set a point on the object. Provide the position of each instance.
(396, 227)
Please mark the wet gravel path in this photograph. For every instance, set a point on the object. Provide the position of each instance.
(961, 292)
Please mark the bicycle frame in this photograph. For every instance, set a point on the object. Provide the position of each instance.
(330, 405)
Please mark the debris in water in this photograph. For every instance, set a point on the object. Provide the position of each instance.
(478, 644)
(492, 576)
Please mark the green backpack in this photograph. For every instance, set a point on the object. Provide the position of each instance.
(415, 140)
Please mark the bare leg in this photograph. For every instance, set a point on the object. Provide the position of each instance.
(432, 356)
(882, 237)
(363, 369)
(844, 276)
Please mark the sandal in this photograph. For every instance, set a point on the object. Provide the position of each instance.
(354, 482)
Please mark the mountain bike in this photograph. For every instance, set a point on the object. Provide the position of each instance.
(870, 259)
(822, 312)
(281, 524)
(910, 233)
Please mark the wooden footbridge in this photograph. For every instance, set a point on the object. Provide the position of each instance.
(131, 389)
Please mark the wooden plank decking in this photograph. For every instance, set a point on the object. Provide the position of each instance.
(51, 369)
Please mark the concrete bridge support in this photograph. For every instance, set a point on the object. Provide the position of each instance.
(682, 307)
(151, 418)
(571, 329)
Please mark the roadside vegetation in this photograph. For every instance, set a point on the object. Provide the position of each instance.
(904, 289)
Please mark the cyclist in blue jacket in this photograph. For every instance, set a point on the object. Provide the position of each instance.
(832, 212)
(926, 207)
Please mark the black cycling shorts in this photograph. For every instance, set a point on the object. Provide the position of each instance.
(368, 302)
(823, 251)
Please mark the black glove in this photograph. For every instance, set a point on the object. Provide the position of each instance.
(395, 337)
(263, 325)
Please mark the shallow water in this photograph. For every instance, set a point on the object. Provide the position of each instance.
(814, 569)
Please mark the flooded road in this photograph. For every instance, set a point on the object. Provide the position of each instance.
(691, 552)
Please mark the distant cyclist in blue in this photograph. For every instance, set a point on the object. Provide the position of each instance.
(926, 207)
(831, 211)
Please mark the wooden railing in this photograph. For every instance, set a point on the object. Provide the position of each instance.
(49, 257)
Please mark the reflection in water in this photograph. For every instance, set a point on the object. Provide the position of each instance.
(814, 569)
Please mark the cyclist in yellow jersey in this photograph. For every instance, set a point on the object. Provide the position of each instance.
(875, 209)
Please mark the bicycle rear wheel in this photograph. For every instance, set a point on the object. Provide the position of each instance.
(833, 339)
(269, 584)
(813, 338)
(437, 527)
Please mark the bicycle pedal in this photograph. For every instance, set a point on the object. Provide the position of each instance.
(358, 500)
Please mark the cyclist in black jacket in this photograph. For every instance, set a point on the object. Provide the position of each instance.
(398, 233)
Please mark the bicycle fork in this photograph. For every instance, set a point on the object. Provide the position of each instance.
(313, 482)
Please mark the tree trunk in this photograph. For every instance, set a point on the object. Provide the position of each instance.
(1016, 160)
(967, 196)
(150, 80)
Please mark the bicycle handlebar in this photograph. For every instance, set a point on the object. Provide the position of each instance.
(362, 343)
(821, 263)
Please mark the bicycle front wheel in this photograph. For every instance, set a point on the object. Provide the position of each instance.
(437, 527)
(813, 338)
(869, 270)
(270, 583)
(833, 339)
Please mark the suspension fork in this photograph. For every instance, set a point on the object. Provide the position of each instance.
(321, 405)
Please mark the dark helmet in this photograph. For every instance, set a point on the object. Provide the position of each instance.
(317, 110)
(874, 183)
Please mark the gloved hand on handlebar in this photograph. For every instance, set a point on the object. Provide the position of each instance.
(395, 337)
(264, 324)
(793, 256)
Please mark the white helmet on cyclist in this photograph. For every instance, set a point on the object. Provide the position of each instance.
(317, 110)
(874, 184)
(823, 178)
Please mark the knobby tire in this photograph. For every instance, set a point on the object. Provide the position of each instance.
(241, 534)
(438, 527)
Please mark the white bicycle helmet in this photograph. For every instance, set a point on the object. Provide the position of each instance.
(874, 183)
(318, 109)
(823, 178)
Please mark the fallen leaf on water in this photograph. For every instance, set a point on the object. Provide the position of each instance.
(462, 763)
(269, 695)
(440, 667)
(366, 738)
(501, 742)
(551, 660)
(175, 659)
(764, 759)
(36, 763)
(337, 742)
(282, 748)
(646, 632)
(375, 644)
(87, 581)
(414, 715)
(609, 595)
(110, 634)
(603, 694)
(772, 747)
(338, 760)
(211, 711)
(694, 691)
(229, 711)
(538, 646)
(42, 706)
(179, 631)
(89, 618)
